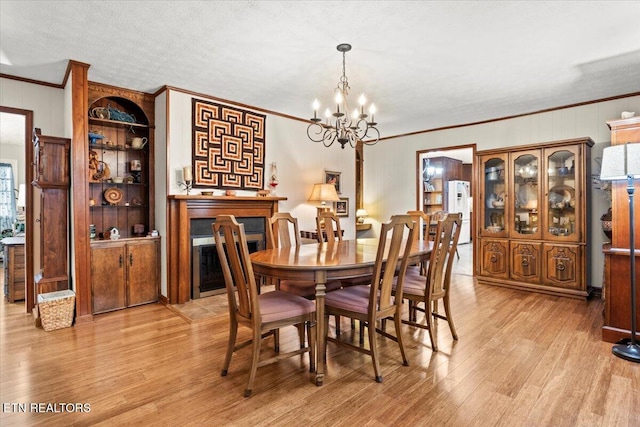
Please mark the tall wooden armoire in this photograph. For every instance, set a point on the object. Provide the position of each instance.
(51, 176)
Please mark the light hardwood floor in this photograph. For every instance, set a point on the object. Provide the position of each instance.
(522, 359)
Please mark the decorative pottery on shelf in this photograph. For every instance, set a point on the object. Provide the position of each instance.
(113, 195)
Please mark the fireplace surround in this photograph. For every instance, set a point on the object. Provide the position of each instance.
(198, 211)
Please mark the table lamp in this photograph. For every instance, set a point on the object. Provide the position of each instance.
(324, 193)
(361, 214)
(621, 162)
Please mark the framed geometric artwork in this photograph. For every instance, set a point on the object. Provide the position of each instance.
(228, 147)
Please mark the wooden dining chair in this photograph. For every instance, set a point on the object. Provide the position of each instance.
(263, 313)
(328, 227)
(423, 222)
(279, 235)
(436, 285)
(438, 216)
(370, 304)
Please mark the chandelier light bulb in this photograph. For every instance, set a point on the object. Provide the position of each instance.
(362, 100)
(355, 114)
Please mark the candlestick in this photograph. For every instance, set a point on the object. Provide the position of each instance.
(187, 173)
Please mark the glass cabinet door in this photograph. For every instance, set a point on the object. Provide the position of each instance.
(494, 193)
(562, 202)
(525, 194)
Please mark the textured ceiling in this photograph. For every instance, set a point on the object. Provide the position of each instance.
(425, 64)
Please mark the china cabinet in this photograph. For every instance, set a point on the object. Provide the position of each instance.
(118, 170)
(616, 290)
(531, 229)
(124, 264)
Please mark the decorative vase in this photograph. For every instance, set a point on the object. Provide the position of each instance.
(607, 224)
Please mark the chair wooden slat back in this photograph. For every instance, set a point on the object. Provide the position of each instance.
(331, 227)
(236, 268)
(423, 221)
(390, 245)
(279, 233)
(444, 248)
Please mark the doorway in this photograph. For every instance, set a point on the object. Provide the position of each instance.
(445, 178)
(16, 127)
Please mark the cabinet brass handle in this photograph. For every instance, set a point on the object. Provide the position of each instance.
(525, 262)
(120, 261)
(130, 259)
(494, 259)
(560, 266)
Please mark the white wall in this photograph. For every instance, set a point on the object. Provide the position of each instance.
(300, 163)
(390, 172)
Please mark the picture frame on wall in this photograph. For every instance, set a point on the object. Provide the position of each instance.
(332, 177)
(342, 207)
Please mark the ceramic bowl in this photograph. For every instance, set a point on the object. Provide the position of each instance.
(117, 179)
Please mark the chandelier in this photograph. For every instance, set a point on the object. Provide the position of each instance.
(343, 125)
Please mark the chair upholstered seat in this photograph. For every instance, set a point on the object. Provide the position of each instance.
(305, 289)
(278, 305)
(414, 283)
(353, 298)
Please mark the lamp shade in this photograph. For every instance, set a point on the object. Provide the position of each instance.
(361, 213)
(324, 193)
(620, 162)
(22, 196)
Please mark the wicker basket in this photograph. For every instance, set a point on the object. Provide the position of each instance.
(56, 309)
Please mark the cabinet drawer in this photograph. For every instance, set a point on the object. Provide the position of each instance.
(494, 258)
(562, 265)
(526, 261)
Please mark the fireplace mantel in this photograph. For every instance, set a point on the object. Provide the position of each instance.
(184, 208)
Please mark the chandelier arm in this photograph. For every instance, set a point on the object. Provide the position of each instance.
(317, 129)
(329, 137)
(373, 140)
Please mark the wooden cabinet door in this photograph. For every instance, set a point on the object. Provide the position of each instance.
(492, 195)
(142, 263)
(562, 264)
(525, 190)
(108, 278)
(494, 258)
(526, 261)
(563, 201)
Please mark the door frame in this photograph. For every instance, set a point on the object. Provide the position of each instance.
(474, 174)
(29, 211)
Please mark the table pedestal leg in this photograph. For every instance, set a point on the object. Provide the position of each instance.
(321, 281)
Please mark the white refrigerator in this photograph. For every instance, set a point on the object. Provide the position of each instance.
(459, 198)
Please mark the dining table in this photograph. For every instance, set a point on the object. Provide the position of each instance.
(322, 262)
